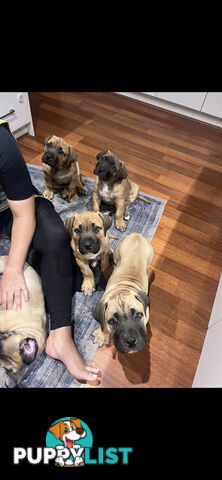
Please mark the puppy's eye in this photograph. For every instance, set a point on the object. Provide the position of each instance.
(49, 145)
(138, 316)
(66, 430)
(113, 321)
(77, 230)
(72, 427)
(60, 151)
(97, 229)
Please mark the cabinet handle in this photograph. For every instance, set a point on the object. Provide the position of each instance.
(11, 111)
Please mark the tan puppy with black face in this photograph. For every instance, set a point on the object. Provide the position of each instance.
(123, 311)
(22, 332)
(61, 169)
(113, 187)
(90, 243)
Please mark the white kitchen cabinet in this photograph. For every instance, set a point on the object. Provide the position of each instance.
(15, 109)
(187, 99)
(209, 371)
(203, 106)
(213, 104)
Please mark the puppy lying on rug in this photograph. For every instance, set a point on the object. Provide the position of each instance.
(123, 311)
(61, 169)
(113, 187)
(90, 243)
(22, 332)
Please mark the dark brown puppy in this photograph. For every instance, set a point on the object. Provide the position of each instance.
(61, 169)
(113, 187)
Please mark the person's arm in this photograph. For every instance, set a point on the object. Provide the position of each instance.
(12, 281)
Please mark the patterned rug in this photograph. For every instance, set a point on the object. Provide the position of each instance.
(45, 372)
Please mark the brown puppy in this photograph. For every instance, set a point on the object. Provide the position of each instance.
(113, 187)
(90, 242)
(123, 311)
(61, 169)
(22, 332)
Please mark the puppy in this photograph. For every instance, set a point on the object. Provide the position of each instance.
(113, 187)
(22, 332)
(90, 243)
(123, 311)
(61, 169)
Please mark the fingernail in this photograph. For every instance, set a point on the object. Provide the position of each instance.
(94, 375)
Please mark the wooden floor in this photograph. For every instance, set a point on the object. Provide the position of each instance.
(174, 158)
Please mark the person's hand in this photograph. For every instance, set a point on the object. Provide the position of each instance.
(11, 284)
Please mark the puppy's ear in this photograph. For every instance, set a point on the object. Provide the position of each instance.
(121, 173)
(55, 429)
(143, 298)
(76, 422)
(46, 139)
(107, 221)
(100, 154)
(68, 224)
(72, 157)
(99, 313)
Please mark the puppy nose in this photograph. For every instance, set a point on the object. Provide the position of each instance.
(131, 340)
(87, 243)
(79, 431)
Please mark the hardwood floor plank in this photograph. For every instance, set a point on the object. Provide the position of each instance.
(205, 267)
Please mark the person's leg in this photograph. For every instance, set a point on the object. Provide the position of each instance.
(60, 278)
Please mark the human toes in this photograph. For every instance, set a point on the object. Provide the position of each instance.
(92, 367)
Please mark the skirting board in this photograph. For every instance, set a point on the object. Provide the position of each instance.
(26, 129)
(173, 107)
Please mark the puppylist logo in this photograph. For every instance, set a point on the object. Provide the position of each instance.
(69, 441)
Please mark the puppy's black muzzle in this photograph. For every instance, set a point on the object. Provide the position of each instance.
(89, 244)
(104, 171)
(50, 158)
(131, 339)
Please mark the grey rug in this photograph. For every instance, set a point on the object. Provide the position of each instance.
(45, 372)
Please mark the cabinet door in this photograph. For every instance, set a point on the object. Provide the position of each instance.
(187, 99)
(17, 103)
(213, 104)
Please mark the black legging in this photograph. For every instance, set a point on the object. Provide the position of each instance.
(60, 275)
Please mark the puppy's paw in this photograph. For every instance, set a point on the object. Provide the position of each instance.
(73, 198)
(65, 194)
(84, 190)
(88, 287)
(48, 194)
(101, 338)
(120, 225)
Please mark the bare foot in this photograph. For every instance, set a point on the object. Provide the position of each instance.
(60, 346)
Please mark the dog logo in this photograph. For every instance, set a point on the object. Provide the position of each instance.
(69, 443)
(69, 436)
